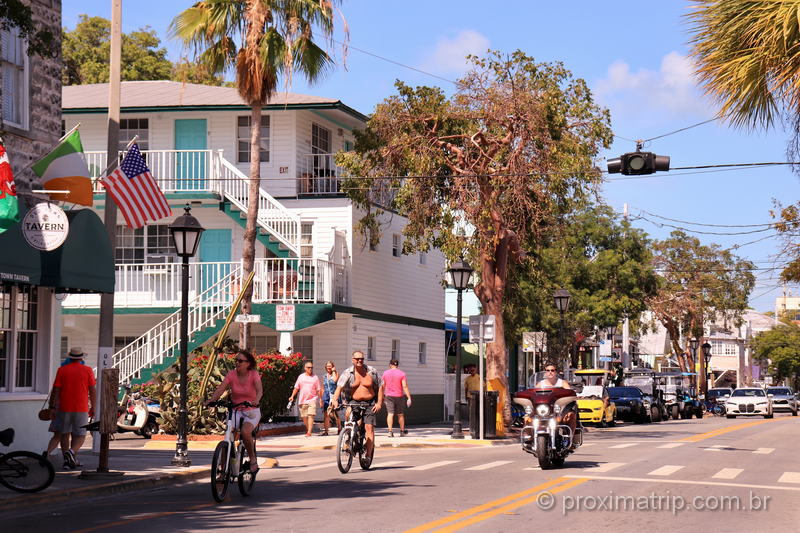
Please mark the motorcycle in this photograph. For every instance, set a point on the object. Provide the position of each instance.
(545, 435)
(137, 414)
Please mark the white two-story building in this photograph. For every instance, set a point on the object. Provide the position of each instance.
(346, 296)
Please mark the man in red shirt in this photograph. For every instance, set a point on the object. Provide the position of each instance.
(73, 397)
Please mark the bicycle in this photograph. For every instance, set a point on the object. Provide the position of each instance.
(351, 440)
(230, 462)
(24, 471)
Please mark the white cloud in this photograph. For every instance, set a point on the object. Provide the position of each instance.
(449, 53)
(672, 89)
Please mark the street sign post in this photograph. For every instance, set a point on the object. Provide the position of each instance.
(244, 319)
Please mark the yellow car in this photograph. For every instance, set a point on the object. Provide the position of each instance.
(594, 406)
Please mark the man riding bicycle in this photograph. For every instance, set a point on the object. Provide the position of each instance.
(362, 383)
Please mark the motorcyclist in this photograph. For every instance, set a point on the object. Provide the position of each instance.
(568, 405)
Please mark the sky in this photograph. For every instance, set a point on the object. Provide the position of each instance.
(634, 60)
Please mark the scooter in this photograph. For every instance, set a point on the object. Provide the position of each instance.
(138, 414)
(545, 435)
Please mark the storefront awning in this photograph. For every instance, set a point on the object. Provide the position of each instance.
(82, 264)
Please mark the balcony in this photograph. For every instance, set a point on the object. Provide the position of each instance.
(277, 280)
(319, 175)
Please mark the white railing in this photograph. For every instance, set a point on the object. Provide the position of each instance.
(272, 215)
(318, 174)
(276, 280)
(173, 170)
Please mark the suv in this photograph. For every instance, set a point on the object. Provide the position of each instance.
(783, 399)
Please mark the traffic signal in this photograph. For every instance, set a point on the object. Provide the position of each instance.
(638, 163)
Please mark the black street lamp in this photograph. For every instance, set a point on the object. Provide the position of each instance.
(707, 357)
(693, 344)
(561, 300)
(186, 231)
(459, 275)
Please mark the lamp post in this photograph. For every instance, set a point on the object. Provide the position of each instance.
(561, 300)
(186, 231)
(611, 331)
(693, 344)
(459, 275)
(707, 359)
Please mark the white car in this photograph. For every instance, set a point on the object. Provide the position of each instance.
(749, 401)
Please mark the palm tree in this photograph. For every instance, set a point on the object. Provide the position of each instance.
(262, 40)
(748, 57)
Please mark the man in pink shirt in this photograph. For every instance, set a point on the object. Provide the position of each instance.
(308, 390)
(394, 384)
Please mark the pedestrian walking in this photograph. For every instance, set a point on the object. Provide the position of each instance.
(328, 388)
(394, 385)
(308, 390)
(73, 399)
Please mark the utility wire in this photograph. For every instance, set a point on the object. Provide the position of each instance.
(680, 130)
(770, 224)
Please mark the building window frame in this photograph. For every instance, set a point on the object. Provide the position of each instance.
(307, 239)
(371, 347)
(15, 66)
(423, 353)
(130, 128)
(21, 313)
(149, 244)
(395, 349)
(243, 139)
(397, 245)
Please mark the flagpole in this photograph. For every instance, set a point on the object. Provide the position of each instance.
(78, 125)
(113, 163)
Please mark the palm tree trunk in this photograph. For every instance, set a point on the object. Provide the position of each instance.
(249, 246)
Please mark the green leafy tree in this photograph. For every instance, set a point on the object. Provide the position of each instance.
(698, 283)
(263, 40)
(514, 144)
(781, 347)
(16, 14)
(604, 263)
(187, 71)
(86, 52)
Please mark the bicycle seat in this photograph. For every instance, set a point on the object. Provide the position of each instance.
(7, 436)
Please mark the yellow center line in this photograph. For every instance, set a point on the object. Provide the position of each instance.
(483, 507)
(519, 503)
(722, 431)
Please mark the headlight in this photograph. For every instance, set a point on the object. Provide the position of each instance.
(528, 409)
(542, 409)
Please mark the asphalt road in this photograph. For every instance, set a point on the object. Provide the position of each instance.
(716, 474)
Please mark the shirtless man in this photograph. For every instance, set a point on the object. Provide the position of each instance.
(362, 383)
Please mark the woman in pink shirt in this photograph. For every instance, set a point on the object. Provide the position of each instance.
(244, 383)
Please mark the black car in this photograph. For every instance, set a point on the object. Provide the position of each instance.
(631, 403)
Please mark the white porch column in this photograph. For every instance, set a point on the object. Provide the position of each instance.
(285, 342)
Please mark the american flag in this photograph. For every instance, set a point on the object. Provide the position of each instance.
(135, 191)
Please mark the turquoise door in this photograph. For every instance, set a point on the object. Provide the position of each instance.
(190, 167)
(215, 246)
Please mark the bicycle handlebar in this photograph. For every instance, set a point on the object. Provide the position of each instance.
(229, 404)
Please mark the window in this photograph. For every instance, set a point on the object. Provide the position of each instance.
(396, 245)
(264, 343)
(423, 258)
(14, 60)
(130, 128)
(243, 139)
(724, 348)
(149, 244)
(303, 344)
(396, 349)
(348, 145)
(19, 311)
(423, 353)
(121, 342)
(64, 345)
(306, 239)
(370, 348)
(320, 139)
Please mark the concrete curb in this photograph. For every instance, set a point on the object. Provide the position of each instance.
(117, 487)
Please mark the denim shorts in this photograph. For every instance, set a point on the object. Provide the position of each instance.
(69, 422)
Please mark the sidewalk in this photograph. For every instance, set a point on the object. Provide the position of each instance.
(146, 464)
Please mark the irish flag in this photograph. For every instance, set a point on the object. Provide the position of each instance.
(9, 206)
(65, 169)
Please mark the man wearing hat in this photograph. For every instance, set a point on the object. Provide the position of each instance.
(73, 398)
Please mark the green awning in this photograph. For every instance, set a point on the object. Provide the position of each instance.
(82, 264)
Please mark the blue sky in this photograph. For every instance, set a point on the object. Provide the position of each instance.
(634, 59)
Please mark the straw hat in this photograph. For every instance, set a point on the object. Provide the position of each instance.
(76, 352)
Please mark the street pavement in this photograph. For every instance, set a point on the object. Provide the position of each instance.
(729, 475)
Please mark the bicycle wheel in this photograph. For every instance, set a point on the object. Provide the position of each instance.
(26, 471)
(246, 478)
(220, 467)
(344, 450)
(363, 459)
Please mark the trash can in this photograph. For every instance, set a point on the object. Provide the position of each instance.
(489, 414)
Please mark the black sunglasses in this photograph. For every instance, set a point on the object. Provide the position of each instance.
(242, 361)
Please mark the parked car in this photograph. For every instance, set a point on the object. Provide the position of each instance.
(594, 407)
(783, 399)
(645, 380)
(749, 401)
(719, 394)
(630, 403)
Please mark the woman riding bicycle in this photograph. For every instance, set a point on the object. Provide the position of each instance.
(245, 385)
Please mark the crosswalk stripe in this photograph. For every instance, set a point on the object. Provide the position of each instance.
(790, 477)
(727, 473)
(430, 466)
(665, 470)
(671, 445)
(714, 448)
(386, 463)
(330, 464)
(603, 467)
(533, 468)
(487, 466)
(764, 450)
(626, 445)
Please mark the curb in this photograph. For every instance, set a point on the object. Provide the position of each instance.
(117, 487)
